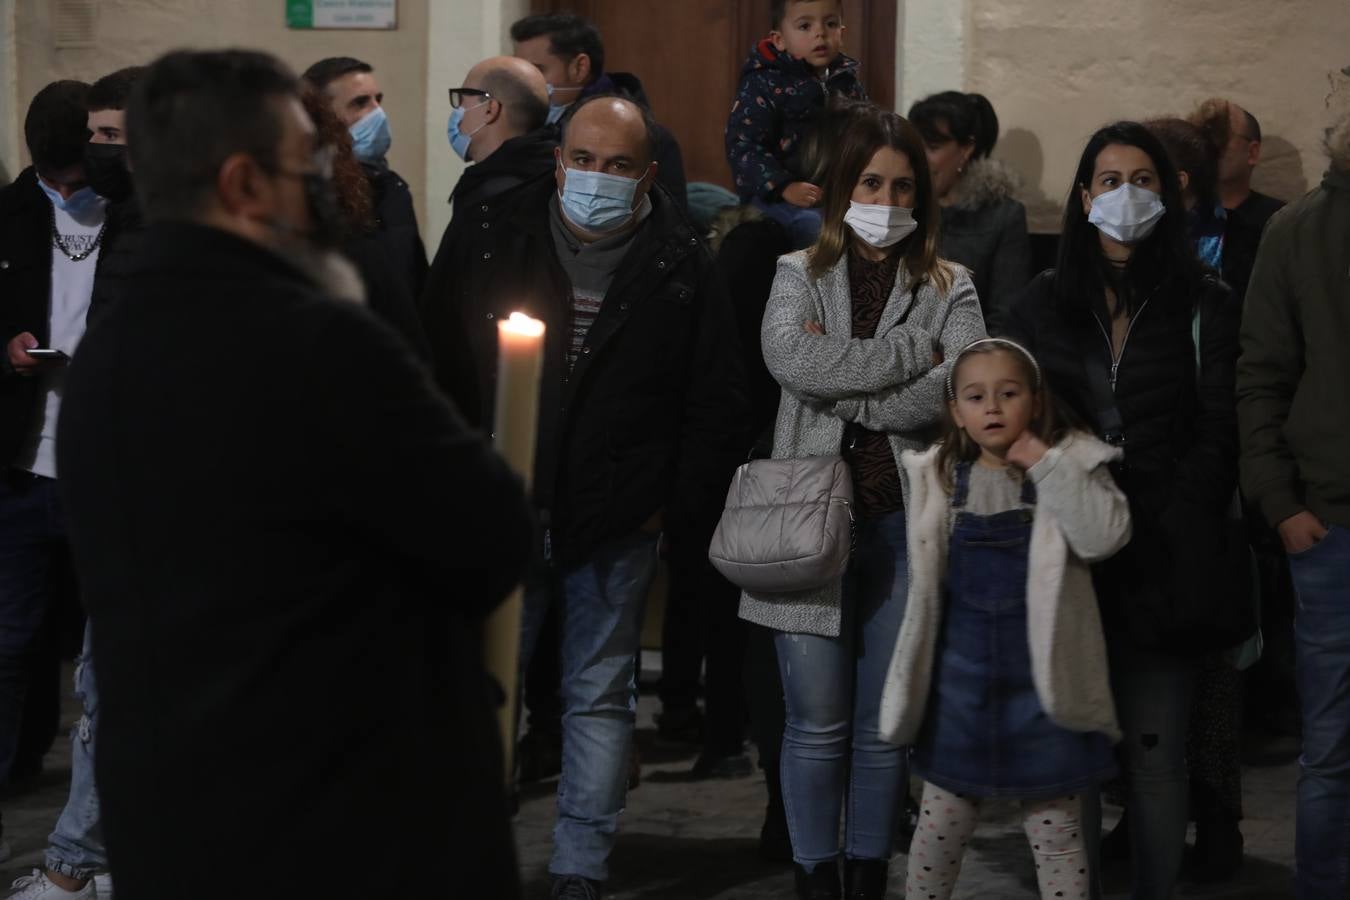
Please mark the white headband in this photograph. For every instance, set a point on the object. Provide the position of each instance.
(1001, 342)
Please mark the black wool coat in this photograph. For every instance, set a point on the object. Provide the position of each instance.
(287, 542)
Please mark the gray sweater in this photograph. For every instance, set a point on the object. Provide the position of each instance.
(886, 383)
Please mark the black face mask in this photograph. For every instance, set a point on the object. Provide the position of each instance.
(105, 168)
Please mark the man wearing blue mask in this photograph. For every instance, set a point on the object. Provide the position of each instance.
(568, 51)
(355, 94)
(51, 231)
(640, 425)
(497, 124)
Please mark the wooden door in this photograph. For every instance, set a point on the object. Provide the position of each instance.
(689, 56)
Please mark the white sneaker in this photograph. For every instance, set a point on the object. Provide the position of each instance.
(38, 887)
(103, 886)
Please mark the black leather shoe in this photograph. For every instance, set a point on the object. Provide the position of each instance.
(820, 884)
(865, 879)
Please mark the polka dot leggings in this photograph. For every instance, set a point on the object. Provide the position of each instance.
(947, 821)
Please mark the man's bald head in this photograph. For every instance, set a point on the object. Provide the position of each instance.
(620, 123)
(517, 86)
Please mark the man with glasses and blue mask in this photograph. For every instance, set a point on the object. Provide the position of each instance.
(497, 125)
(642, 411)
(351, 86)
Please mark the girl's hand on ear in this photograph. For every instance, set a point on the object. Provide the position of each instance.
(1027, 450)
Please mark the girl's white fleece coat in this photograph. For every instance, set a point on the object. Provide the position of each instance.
(1081, 517)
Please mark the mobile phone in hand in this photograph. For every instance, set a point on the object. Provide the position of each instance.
(48, 354)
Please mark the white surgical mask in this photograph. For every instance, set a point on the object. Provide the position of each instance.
(880, 226)
(1128, 213)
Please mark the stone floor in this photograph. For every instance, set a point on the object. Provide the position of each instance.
(697, 840)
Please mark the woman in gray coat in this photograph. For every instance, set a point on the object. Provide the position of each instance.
(983, 227)
(855, 332)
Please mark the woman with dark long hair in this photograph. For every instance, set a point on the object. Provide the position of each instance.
(855, 332)
(1140, 340)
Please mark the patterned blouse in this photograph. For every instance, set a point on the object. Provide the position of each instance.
(876, 478)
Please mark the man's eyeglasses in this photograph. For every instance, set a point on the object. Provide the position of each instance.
(458, 94)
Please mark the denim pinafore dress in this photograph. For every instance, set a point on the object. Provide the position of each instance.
(985, 733)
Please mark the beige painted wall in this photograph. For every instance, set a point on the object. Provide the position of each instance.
(1057, 69)
(461, 32)
(132, 32)
(9, 96)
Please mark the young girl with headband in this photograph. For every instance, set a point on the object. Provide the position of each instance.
(999, 675)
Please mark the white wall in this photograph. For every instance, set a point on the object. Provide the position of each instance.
(1056, 70)
(459, 34)
(10, 117)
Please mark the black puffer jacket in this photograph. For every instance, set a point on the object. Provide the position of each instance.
(652, 416)
(1180, 420)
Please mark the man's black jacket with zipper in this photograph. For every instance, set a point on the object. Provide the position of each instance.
(651, 418)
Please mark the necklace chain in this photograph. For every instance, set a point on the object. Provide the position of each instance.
(61, 245)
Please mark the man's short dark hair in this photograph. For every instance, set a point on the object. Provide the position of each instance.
(524, 111)
(568, 34)
(778, 10)
(648, 123)
(190, 112)
(1253, 126)
(57, 126)
(114, 91)
(326, 71)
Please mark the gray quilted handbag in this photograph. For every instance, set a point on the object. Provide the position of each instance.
(787, 525)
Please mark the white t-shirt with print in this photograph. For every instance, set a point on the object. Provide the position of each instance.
(72, 287)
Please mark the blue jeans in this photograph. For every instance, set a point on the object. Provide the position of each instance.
(1153, 694)
(75, 849)
(32, 536)
(833, 754)
(1322, 634)
(803, 225)
(601, 603)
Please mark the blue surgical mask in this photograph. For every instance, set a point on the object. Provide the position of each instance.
(459, 141)
(556, 110)
(77, 204)
(596, 201)
(370, 136)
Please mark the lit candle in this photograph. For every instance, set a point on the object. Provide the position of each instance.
(520, 363)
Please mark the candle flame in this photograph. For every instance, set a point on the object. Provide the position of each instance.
(519, 323)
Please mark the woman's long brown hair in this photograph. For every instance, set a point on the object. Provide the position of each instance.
(349, 180)
(865, 134)
(955, 446)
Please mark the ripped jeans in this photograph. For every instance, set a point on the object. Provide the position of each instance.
(833, 753)
(1153, 694)
(75, 849)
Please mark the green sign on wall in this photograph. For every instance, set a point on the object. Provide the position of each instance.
(374, 14)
